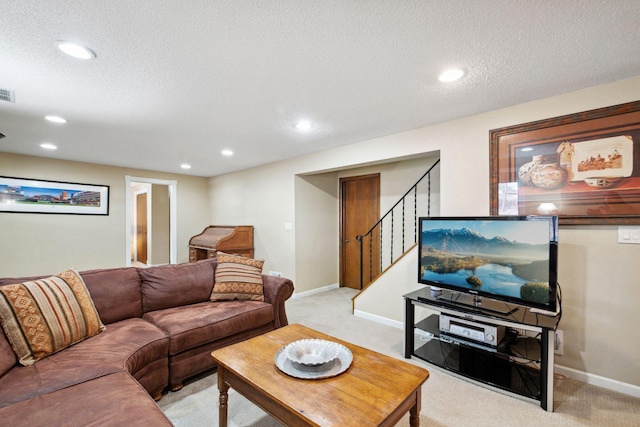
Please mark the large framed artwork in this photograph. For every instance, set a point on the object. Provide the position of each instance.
(583, 167)
(38, 196)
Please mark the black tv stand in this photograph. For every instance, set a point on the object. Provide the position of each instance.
(522, 364)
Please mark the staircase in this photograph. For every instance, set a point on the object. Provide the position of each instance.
(396, 232)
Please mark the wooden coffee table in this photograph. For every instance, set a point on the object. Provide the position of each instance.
(376, 390)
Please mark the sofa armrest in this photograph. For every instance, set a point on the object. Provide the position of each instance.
(276, 291)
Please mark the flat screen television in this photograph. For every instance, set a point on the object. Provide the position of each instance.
(507, 259)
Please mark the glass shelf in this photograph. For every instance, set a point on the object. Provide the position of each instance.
(507, 366)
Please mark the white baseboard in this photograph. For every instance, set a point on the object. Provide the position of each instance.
(316, 291)
(378, 319)
(614, 385)
(597, 380)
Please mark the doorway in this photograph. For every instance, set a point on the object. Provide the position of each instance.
(141, 242)
(359, 211)
(151, 223)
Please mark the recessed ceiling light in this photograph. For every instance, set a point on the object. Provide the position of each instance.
(76, 50)
(303, 125)
(56, 119)
(451, 75)
(227, 152)
(185, 166)
(48, 146)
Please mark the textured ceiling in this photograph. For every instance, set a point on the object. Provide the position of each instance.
(178, 81)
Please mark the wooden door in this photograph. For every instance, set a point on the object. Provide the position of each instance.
(141, 228)
(360, 210)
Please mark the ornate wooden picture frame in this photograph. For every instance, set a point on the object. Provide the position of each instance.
(583, 167)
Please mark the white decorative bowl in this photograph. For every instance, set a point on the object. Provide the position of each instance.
(311, 352)
(603, 181)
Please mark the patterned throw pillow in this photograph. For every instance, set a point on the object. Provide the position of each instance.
(47, 315)
(237, 278)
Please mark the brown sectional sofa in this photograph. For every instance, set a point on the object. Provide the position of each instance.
(160, 330)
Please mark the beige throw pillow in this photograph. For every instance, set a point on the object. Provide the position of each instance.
(238, 278)
(47, 315)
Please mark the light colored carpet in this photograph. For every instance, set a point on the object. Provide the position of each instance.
(446, 400)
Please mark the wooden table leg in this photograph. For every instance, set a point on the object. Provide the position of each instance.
(224, 397)
(414, 412)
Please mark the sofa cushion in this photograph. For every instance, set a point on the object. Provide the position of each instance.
(128, 345)
(113, 400)
(238, 278)
(197, 324)
(7, 355)
(196, 360)
(174, 285)
(45, 316)
(115, 292)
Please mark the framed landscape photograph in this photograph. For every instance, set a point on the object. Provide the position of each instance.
(38, 196)
(583, 167)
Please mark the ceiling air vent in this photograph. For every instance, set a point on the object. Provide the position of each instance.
(7, 95)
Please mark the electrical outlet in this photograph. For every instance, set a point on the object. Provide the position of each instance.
(559, 344)
(275, 273)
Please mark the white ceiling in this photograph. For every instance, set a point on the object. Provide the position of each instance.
(178, 81)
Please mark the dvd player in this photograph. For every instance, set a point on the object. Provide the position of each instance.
(482, 333)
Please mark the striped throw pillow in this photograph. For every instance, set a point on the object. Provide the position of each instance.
(47, 315)
(237, 278)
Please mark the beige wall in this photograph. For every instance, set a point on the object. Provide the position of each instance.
(396, 177)
(261, 197)
(33, 244)
(598, 276)
(276, 195)
(160, 222)
(317, 208)
(316, 231)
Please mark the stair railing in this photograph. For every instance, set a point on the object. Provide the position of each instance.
(392, 235)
